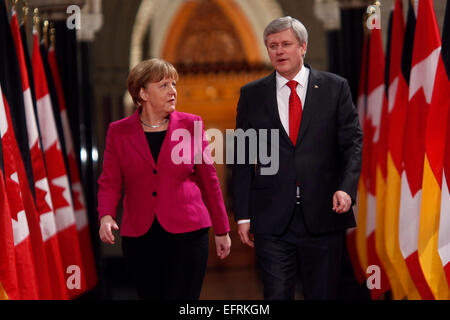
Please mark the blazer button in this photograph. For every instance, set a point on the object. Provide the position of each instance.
(154, 171)
(154, 194)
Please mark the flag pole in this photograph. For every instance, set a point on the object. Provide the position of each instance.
(45, 33)
(25, 10)
(36, 21)
(52, 35)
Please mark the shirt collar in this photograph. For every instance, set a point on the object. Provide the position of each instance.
(301, 77)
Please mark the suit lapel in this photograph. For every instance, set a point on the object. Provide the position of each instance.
(137, 138)
(272, 105)
(312, 96)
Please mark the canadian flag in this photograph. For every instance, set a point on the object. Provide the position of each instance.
(376, 132)
(58, 181)
(12, 161)
(45, 242)
(429, 57)
(444, 223)
(397, 105)
(424, 62)
(77, 189)
(9, 286)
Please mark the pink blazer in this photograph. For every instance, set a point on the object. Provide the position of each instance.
(173, 192)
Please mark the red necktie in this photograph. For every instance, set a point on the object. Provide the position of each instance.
(295, 111)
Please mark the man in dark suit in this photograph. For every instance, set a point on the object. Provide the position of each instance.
(296, 218)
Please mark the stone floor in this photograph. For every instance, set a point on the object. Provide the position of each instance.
(235, 278)
(232, 284)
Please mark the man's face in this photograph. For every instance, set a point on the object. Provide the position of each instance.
(285, 53)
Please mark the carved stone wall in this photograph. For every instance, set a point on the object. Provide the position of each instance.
(209, 37)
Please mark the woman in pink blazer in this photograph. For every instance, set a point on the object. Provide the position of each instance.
(170, 198)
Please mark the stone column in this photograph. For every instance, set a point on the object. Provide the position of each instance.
(351, 36)
(91, 20)
(327, 11)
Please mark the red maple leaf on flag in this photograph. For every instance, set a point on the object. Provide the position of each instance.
(57, 169)
(78, 203)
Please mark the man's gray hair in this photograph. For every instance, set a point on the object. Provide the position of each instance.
(284, 23)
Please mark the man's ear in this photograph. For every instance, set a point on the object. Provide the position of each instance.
(303, 48)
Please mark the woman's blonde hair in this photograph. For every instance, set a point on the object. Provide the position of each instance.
(152, 70)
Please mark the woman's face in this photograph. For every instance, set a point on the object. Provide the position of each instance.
(160, 96)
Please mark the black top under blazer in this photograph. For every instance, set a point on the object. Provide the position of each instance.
(326, 158)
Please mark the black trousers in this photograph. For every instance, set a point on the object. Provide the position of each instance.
(297, 252)
(167, 266)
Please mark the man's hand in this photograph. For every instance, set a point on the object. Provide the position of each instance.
(106, 224)
(341, 201)
(245, 235)
(223, 245)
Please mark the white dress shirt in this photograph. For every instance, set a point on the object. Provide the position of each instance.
(283, 93)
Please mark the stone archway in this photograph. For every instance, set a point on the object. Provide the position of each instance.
(155, 17)
(210, 31)
(159, 14)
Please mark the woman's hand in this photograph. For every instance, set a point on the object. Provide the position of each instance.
(223, 245)
(106, 224)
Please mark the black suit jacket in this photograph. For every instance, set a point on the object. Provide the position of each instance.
(327, 157)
